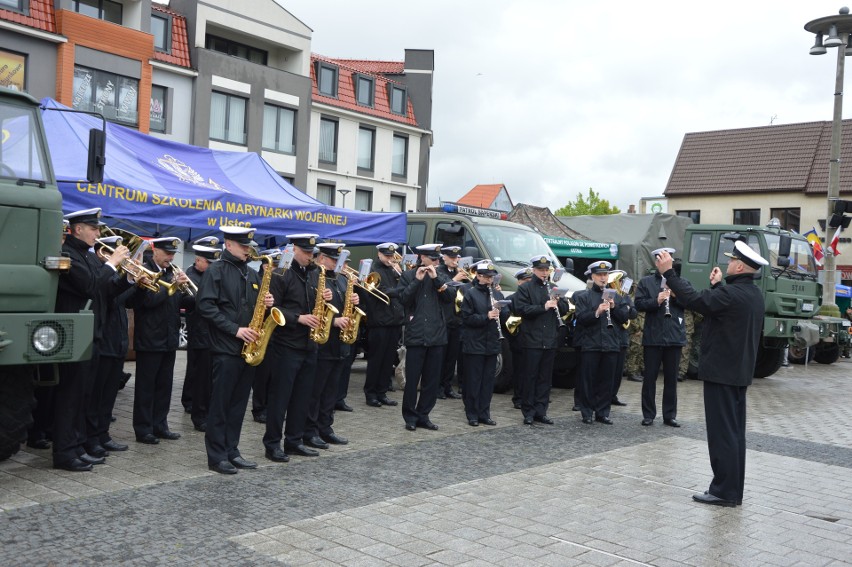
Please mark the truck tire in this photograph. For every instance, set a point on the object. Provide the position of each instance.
(768, 361)
(16, 408)
(826, 353)
(504, 375)
(796, 355)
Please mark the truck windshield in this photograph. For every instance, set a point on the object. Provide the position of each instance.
(801, 255)
(22, 155)
(514, 245)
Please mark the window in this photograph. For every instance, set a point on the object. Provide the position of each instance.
(106, 10)
(363, 200)
(415, 234)
(397, 203)
(399, 157)
(325, 193)
(17, 5)
(364, 89)
(327, 79)
(694, 215)
(747, 216)
(158, 108)
(228, 118)
(279, 129)
(366, 148)
(699, 247)
(236, 49)
(398, 103)
(160, 26)
(112, 95)
(328, 141)
(790, 218)
(13, 70)
(727, 245)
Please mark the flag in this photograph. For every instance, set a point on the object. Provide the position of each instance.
(813, 238)
(835, 241)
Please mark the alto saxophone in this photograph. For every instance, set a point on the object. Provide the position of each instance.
(350, 334)
(323, 311)
(254, 352)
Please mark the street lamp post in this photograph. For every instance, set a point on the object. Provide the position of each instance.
(836, 30)
(344, 192)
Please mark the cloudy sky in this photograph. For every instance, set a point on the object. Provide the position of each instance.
(552, 97)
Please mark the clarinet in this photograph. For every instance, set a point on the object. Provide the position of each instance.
(491, 298)
(551, 288)
(664, 287)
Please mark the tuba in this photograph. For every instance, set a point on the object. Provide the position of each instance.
(323, 311)
(253, 353)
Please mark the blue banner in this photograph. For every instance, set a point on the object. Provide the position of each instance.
(151, 180)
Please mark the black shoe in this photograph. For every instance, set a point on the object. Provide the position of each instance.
(316, 442)
(587, 420)
(410, 426)
(603, 419)
(301, 450)
(453, 395)
(38, 444)
(516, 405)
(187, 409)
(277, 455)
(169, 435)
(707, 498)
(374, 403)
(488, 421)
(259, 417)
(473, 423)
(428, 425)
(74, 465)
(96, 451)
(671, 422)
(575, 408)
(223, 467)
(112, 419)
(112, 445)
(386, 401)
(148, 439)
(528, 421)
(635, 378)
(617, 402)
(241, 463)
(342, 406)
(647, 421)
(543, 419)
(335, 439)
(89, 459)
(202, 427)
(442, 396)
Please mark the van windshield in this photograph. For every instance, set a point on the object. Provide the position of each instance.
(514, 245)
(22, 155)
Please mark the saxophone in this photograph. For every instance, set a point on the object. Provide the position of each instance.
(350, 334)
(323, 311)
(253, 353)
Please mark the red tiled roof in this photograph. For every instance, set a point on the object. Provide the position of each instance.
(375, 67)
(481, 196)
(180, 44)
(41, 16)
(346, 92)
(790, 157)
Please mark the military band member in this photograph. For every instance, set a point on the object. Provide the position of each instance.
(384, 328)
(482, 342)
(663, 338)
(523, 277)
(331, 356)
(450, 268)
(422, 290)
(598, 320)
(539, 339)
(624, 337)
(155, 339)
(263, 371)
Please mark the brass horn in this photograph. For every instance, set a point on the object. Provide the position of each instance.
(370, 283)
(132, 266)
(613, 281)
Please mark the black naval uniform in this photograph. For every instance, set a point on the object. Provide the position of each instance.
(197, 383)
(226, 300)
(624, 337)
(454, 340)
(425, 342)
(730, 339)
(539, 338)
(480, 347)
(292, 382)
(384, 327)
(663, 339)
(600, 347)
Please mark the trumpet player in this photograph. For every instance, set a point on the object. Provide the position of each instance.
(450, 267)
(600, 313)
(663, 338)
(226, 300)
(155, 339)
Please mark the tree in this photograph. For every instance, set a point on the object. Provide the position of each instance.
(590, 205)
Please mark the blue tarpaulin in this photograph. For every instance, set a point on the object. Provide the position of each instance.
(176, 187)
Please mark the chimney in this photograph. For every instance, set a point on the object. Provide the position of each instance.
(631, 210)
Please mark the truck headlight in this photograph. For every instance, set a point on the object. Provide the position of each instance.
(779, 327)
(45, 339)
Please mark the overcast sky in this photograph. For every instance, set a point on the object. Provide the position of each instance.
(553, 97)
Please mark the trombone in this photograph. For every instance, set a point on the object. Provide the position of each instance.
(370, 283)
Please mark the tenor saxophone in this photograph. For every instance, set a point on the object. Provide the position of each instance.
(350, 334)
(254, 352)
(323, 311)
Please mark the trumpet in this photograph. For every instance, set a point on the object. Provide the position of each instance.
(187, 287)
(370, 284)
(143, 277)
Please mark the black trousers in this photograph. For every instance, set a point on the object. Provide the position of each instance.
(383, 343)
(94, 392)
(154, 377)
(324, 396)
(260, 386)
(538, 378)
(69, 411)
(479, 378)
(42, 427)
(619, 370)
(201, 376)
(110, 370)
(517, 369)
(423, 368)
(451, 358)
(669, 358)
(231, 385)
(343, 382)
(596, 377)
(725, 416)
(290, 389)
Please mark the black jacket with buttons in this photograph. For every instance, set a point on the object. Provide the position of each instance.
(425, 324)
(295, 291)
(480, 334)
(454, 319)
(198, 333)
(594, 334)
(660, 330)
(540, 326)
(156, 315)
(378, 313)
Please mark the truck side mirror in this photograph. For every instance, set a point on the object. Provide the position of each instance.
(472, 251)
(97, 156)
(569, 265)
(784, 244)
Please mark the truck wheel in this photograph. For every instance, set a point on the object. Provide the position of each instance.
(16, 408)
(504, 374)
(768, 361)
(826, 353)
(796, 355)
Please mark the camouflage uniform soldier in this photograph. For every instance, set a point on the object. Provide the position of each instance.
(635, 365)
(689, 361)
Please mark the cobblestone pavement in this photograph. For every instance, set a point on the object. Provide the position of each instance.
(567, 494)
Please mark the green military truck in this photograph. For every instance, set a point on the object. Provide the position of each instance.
(790, 286)
(32, 337)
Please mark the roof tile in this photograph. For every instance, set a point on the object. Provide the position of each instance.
(179, 54)
(481, 196)
(41, 16)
